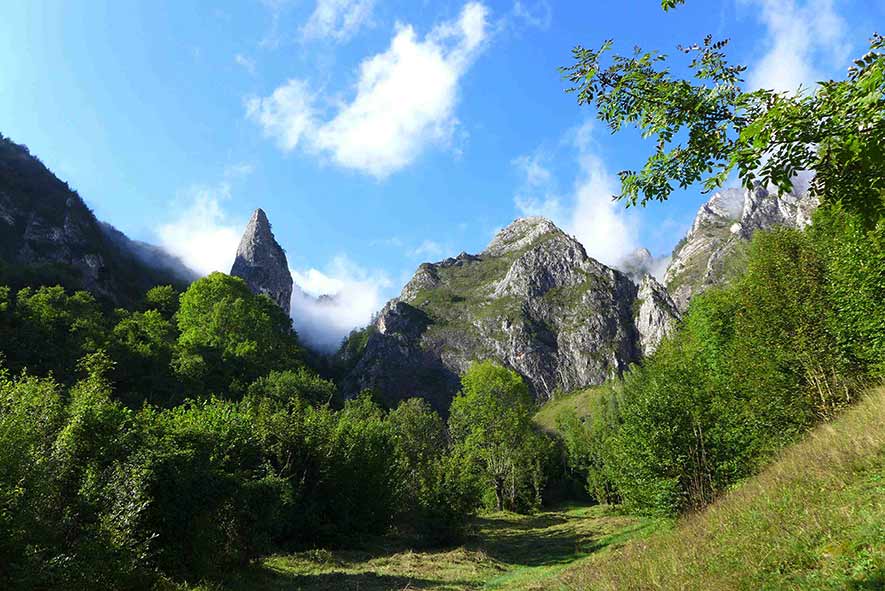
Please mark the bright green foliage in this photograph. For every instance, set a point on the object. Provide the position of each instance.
(753, 366)
(143, 345)
(162, 298)
(438, 496)
(811, 520)
(854, 256)
(710, 126)
(228, 336)
(212, 502)
(53, 330)
(588, 442)
(491, 424)
(288, 385)
(68, 520)
(670, 4)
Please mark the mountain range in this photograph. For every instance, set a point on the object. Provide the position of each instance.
(532, 299)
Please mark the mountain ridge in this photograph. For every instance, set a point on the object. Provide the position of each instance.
(532, 299)
(47, 228)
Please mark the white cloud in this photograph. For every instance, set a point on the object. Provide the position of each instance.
(405, 100)
(248, 64)
(329, 303)
(800, 37)
(337, 19)
(202, 235)
(286, 115)
(537, 14)
(607, 230)
(429, 249)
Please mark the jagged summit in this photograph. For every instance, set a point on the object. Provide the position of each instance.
(725, 223)
(262, 263)
(520, 233)
(532, 300)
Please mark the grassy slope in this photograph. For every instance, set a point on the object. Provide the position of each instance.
(814, 519)
(507, 552)
(578, 401)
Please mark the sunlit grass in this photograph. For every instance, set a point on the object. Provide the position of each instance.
(814, 519)
(506, 551)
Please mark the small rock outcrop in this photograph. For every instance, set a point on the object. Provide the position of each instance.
(532, 300)
(656, 314)
(261, 262)
(722, 226)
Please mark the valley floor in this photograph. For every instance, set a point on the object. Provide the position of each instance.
(507, 551)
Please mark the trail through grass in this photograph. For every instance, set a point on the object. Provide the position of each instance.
(507, 551)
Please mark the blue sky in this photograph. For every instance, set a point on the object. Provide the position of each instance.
(376, 134)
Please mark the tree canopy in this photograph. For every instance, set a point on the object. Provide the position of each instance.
(708, 126)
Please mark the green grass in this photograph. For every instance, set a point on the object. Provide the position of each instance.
(813, 520)
(578, 401)
(506, 551)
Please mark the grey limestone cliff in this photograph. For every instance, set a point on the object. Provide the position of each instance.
(656, 314)
(723, 226)
(532, 300)
(261, 262)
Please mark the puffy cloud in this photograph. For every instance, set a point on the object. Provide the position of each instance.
(337, 19)
(327, 304)
(287, 114)
(404, 101)
(202, 235)
(607, 230)
(800, 36)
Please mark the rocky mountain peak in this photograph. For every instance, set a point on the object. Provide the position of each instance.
(532, 300)
(656, 314)
(520, 233)
(723, 225)
(262, 263)
(46, 227)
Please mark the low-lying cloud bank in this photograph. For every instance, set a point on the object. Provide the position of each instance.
(328, 304)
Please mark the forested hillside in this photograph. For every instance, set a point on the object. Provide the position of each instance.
(185, 439)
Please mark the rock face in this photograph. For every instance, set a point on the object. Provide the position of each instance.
(656, 316)
(46, 228)
(261, 262)
(723, 226)
(532, 300)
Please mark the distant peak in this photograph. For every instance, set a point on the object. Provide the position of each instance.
(259, 219)
(519, 234)
(261, 261)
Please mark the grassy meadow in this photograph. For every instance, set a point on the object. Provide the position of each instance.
(505, 551)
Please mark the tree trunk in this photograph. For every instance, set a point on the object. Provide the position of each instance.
(499, 493)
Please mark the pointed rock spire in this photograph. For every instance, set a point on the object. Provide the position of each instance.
(262, 263)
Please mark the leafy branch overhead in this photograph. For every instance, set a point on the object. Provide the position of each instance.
(707, 126)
